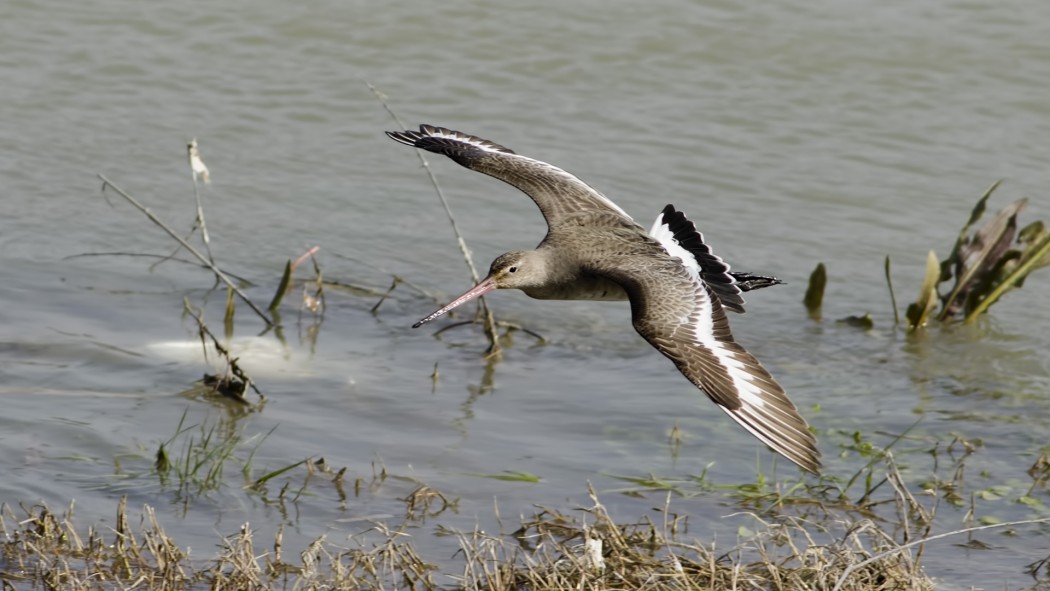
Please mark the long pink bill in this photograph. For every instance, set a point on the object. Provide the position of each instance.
(486, 285)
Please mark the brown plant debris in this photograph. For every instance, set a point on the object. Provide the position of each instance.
(551, 551)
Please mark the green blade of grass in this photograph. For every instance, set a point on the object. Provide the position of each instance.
(282, 288)
(265, 477)
(510, 475)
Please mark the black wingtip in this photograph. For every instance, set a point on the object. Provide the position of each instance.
(442, 140)
(749, 281)
(409, 138)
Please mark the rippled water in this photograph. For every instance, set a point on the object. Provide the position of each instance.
(792, 133)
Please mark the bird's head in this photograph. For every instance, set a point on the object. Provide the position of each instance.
(513, 270)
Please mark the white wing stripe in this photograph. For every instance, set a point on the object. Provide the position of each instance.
(703, 331)
(663, 234)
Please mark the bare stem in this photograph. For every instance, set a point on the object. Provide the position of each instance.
(893, 296)
(218, 273)
(200, 220)
(489, 320)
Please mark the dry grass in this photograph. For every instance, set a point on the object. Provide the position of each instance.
(551, 550)
(555, 551)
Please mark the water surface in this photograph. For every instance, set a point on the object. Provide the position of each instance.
(792, 133)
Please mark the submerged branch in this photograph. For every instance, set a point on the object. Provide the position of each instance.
(163, 257)
(218, 273)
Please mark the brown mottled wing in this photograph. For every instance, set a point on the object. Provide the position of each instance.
(678, 315)
(558, 194)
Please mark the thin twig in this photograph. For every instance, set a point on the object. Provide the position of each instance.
(893, 297)
(490, 321)
(218, 273)
(393, 285)
(377, 268)
(164, 257)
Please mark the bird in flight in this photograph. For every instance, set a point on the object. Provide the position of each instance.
(678, 288)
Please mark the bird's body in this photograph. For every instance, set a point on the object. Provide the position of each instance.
(678, 289)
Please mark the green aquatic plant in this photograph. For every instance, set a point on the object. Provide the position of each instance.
(194, 459)
(985, 264)
(919, 311)
(814, 297)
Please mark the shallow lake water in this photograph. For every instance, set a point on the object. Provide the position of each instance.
(792, 133)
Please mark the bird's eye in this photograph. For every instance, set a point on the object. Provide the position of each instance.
(512, 270)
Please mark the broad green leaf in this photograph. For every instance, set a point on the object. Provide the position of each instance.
(1031, 238)
(919, 311)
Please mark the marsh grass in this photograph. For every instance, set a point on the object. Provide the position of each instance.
(216, 453)
(195, 459)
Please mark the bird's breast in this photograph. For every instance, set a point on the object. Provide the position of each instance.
(580, 288)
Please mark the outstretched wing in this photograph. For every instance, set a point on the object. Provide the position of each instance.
(679, 315)
(557, 193)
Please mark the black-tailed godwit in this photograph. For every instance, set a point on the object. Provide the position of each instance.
(678, 288)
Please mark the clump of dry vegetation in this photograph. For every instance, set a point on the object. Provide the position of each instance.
(551, 550)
